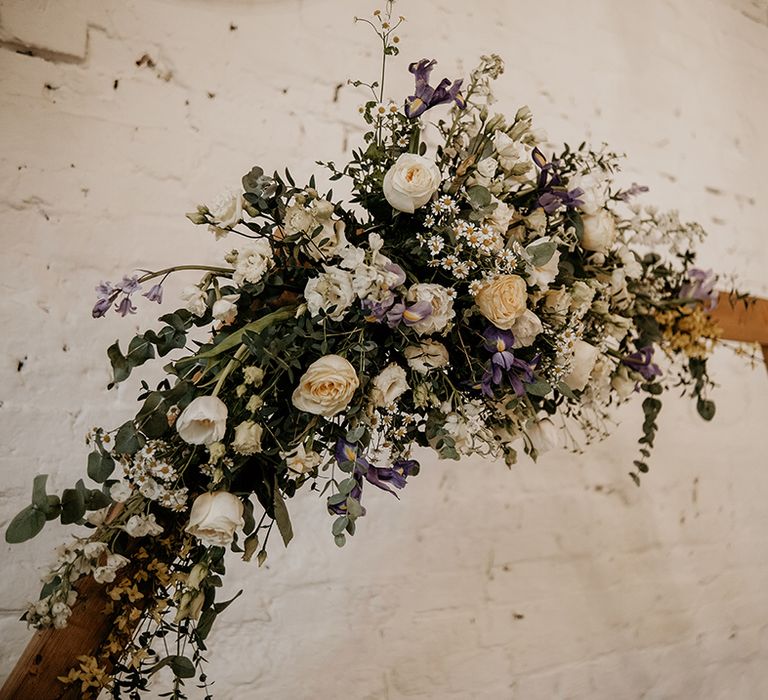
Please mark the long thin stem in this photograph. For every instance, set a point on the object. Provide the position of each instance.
(177, 268)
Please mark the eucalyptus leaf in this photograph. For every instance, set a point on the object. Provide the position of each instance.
(282, 518)
(25, 525)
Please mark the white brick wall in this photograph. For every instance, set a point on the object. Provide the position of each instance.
(555, 580)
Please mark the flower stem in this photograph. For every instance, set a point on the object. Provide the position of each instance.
(177, 268)
(240, 353)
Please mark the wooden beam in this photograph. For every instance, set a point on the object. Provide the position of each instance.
(746, 322)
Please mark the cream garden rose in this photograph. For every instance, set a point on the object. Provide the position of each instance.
(203, 421)
(599, 232)
(426, 356)
(502, 300)
(247, 440)
(389, 385)
(411, 182)
(327, 387)
(526, 328)
(214, 517)
(583, 361)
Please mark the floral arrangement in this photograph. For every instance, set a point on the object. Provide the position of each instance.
(478, 294)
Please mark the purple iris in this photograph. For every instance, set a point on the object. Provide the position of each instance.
(380, 477)
(701, 286)
(155, 294)
(552, 193)
(640, 361)
(377, 310)
(397, 270)
(503, 363)
(409, 315)
(426, 96)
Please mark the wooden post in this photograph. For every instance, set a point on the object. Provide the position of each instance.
(52, 653)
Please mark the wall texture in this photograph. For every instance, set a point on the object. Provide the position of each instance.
(554, 580)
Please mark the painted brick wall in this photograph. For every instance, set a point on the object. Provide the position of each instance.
(554, 580)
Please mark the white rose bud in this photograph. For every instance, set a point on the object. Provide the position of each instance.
(544, 436)
(247, 439)
(214, 517)
(194, 300)
(225, 309)
(426, 356)
(225, 212)
(327, 387)
(502, 300)
(526, 328)
(411, 182)
(203, 421)
(599, 232)
(389, 385)
(584, 358)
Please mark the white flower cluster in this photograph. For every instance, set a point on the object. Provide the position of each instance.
(154, 476)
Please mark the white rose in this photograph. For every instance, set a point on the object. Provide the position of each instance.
(389, 385)
(215, 517)
(502, 216)
(328, 242)
(253, 262)
(582, 362)
(203, 421)
(327, 387)
(599, 231)
(510, 152)
(502, 300)
(526, 328)
(194, 300)
(247, 440)
(557, 302)
(225, 309)
(299, 461)
(623, 383)
(543, 275)
(411, 182)
(332, 288)
(297, 219)
(120, 492)
(442, 307)
(595, 191)
(544, 435)
(426, 356)
(225, 212)
(485, 171)
(142, 525)
(581, 298)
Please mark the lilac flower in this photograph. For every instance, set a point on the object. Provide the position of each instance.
(129, 285)
(125, 306)
(426, 96)
(409, 315)
(503, 363)
(701, 286)
(101, 307)
(155, 294)
(106, 294)
(640, 361)
(633, 191)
